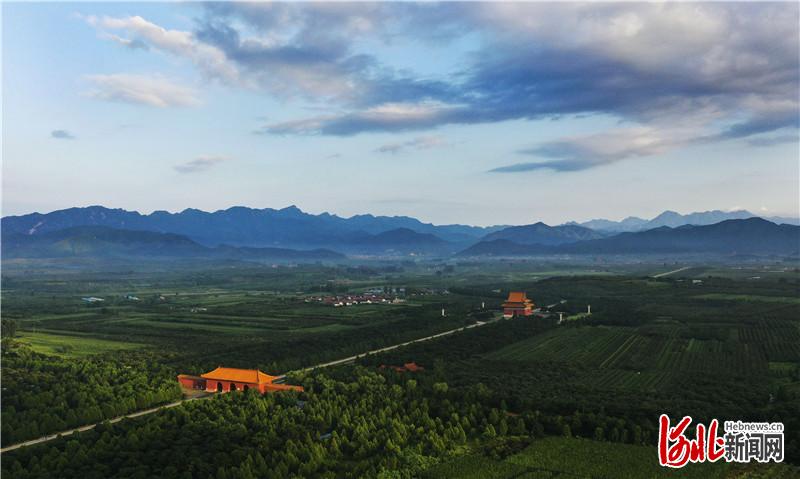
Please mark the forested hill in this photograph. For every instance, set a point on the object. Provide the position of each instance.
(104, 242)
(747, 236)
(540, 233)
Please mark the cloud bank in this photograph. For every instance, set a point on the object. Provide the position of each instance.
(730, 70)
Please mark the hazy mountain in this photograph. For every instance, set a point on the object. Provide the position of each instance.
(673, 220)
(240, 226)
(540, 233)
(398, 241)
(782, 220)
(631, 223)
(503, 247)
(378, 224)
(743, 236)
(291, 228)
(105, 242)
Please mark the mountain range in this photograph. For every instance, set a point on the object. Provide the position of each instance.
(105, 242)
(673, 220)
(291, 234)
(239, 226)
(729, 237)
(540, 233)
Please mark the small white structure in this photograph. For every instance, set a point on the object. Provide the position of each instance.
(588, 309)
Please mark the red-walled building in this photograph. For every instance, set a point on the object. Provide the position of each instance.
(232, 379)
(517, 304)
(410, 367)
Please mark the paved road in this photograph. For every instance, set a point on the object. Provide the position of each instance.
(92, 426)
(389, 348)
(144, 412)
(670, 272)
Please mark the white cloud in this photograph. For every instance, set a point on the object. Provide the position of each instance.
(152, 90)
(584, 152)
(419, 143)
(397, 116)
(649, 63)
(202, 163)
(209, 59)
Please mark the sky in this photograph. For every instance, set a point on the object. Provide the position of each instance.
(475, 113)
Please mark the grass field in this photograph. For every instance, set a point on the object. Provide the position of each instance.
(71, 345)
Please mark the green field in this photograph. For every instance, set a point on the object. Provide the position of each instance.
(71, 345)
(592, 345)
(646, 356)
(748, 297)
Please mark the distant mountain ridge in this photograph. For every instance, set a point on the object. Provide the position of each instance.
(674, 219)
(106, 242)
(739, 236)
(240, 226)
(540, 233)
(290, 228)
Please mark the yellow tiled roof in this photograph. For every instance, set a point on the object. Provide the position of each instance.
(253, 376)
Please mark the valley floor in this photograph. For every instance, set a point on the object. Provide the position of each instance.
(510, 398)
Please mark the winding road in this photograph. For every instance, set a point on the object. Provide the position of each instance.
(145, 412)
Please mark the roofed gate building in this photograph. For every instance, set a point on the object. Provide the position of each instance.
(517, 304)
(232, 379)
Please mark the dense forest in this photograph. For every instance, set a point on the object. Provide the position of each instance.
(44, 394)
(375, 425)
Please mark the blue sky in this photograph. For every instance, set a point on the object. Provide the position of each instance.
(470, 113)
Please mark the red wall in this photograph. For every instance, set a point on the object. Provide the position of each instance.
(192, 383)
(211, 385)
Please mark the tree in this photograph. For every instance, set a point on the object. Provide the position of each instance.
(599, 434)
(8, 328)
